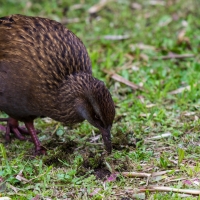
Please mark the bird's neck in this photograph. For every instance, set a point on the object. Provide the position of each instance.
(69, 94)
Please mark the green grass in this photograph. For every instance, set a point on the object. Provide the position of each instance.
(69, 171)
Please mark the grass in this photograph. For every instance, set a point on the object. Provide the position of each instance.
(73, 163)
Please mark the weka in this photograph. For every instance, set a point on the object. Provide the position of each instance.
(45, 71)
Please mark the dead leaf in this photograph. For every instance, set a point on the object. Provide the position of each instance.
(150, 105)
(187, 182)
(164, 135)
(21, 178)
(196, 118)
(96, 191)
(136, 6)
(141, 46)
(144, 57)
(183, 39)
(111, 178)
(37, 197)
(147, 114)
(189, 113)
(192, 182)
(77, 6)
(95, 138)
(12, 187)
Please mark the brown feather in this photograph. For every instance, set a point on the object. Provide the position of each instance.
(45, 70)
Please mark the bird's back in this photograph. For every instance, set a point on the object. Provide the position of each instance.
(36, 55)
(44, 43)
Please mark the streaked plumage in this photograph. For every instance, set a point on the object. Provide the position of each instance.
(45, 70)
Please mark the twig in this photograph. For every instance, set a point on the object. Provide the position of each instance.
(175, 180)
(97, 7)
(164, 172)
(175, 56)
(123, 80)
(116, 37)
(168, 189)
(135, 174)
(158, 137)
(68, 21)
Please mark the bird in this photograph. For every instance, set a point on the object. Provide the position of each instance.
(45, 71)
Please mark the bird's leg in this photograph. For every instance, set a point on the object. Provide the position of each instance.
(39, 150)
(13, 127)
(23, 130)
(3, 119)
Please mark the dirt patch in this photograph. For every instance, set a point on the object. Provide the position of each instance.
(62, 149)
(95, 161)
(102, 173)
(92, 160)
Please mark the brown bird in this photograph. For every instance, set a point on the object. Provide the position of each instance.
(45, 71)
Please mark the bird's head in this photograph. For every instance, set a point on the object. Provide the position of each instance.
(87, 98)
(97, 107)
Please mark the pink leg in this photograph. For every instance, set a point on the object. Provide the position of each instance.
(14, 128)
(24, 131)
(4, 119)
(39, 150)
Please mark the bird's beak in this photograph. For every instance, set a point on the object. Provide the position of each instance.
(107, 139)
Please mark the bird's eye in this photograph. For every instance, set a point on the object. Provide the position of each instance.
(97, 117)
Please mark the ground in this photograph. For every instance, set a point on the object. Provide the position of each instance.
(155, 46)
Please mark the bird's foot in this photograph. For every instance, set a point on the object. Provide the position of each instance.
(13, 127)
(39, 149)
